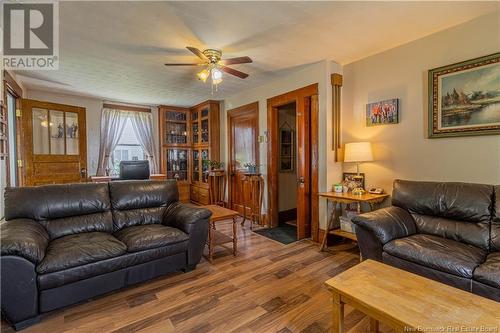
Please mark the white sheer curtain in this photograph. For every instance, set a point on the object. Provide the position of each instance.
(142, 124)
(112, 125)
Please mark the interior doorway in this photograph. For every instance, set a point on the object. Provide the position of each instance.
(284, 185)
(287, 172)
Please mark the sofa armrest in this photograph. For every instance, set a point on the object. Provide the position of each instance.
(185, 217)
(23, 238)
(193, 221)
(387, 224)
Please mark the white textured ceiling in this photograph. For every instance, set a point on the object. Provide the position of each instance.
(116, 50)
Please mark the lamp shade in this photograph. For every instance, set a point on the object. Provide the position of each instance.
(358, 152)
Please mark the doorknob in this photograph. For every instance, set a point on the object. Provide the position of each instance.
(301, 181)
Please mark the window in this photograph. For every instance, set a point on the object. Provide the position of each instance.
(128, 148)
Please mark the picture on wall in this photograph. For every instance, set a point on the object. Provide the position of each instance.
(464, 98)
(382, 113)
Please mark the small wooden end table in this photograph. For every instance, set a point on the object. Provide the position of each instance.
(256, 193)
(216, 237)
(346, 198)
(408, 302)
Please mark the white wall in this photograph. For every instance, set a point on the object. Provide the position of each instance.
(319, 73)
(93, 108)
(402, 150)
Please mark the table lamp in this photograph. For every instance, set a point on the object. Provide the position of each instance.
(358, 152)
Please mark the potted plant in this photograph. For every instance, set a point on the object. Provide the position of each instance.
(215, 165)
(252, 167)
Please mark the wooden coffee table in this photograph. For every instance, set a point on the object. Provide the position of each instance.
(216, 237)
(408, 302)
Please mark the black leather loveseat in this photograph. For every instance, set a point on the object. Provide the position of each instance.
(61, 244)
(449, 232)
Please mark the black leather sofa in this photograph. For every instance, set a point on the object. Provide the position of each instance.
(62, 244)
(449, 232)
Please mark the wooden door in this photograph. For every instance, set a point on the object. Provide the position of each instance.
(243, 127)
(55, 143)
(304, 167)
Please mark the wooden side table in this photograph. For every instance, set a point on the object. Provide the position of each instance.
(217, 187)
(346, 198)
(216, 237)
(256, 182)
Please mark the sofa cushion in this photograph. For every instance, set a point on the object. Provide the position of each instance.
(62, 209)
(443, 254)
(139, 202)
(456, 201)
(70, 275)
(477, 234)
(79, 249)
(49, 202)
(143, 237)
(489, 271)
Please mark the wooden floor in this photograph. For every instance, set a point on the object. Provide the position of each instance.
(268, 287)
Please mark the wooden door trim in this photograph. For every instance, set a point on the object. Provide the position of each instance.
(272, 150)
(11, 86)
(248, 110)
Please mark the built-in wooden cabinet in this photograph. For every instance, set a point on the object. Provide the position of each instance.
(190, 138)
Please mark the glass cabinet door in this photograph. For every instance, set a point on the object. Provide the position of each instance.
(205, 167)
(176, 128)
(177, 164)
(204, 126)
(195, 127)
(196, 166)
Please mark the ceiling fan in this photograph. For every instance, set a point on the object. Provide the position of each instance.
(215, 65)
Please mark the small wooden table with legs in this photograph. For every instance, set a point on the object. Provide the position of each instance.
(408, 302)
(216, 237)
(346, 198)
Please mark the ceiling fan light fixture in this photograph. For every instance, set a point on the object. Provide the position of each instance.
(203, 75)
(216, 75)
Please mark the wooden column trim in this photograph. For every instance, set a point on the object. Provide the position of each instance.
(125, 107)
(336, 81)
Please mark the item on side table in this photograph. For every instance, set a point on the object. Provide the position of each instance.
(445, 231)
(346, 224)
(68, 243)
(338, 188)
(376, 190)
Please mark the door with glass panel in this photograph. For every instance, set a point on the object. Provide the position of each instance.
(55, 143)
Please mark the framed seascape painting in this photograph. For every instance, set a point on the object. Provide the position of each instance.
(383, 112)
(464, 98)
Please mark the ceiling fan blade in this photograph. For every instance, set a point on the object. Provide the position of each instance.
(234, 72)
(197, 52)
(184, 64)
(238, 60)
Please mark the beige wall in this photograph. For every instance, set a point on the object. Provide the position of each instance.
(319, 73)
(93, 108)
(287, 181)
(402, 150)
